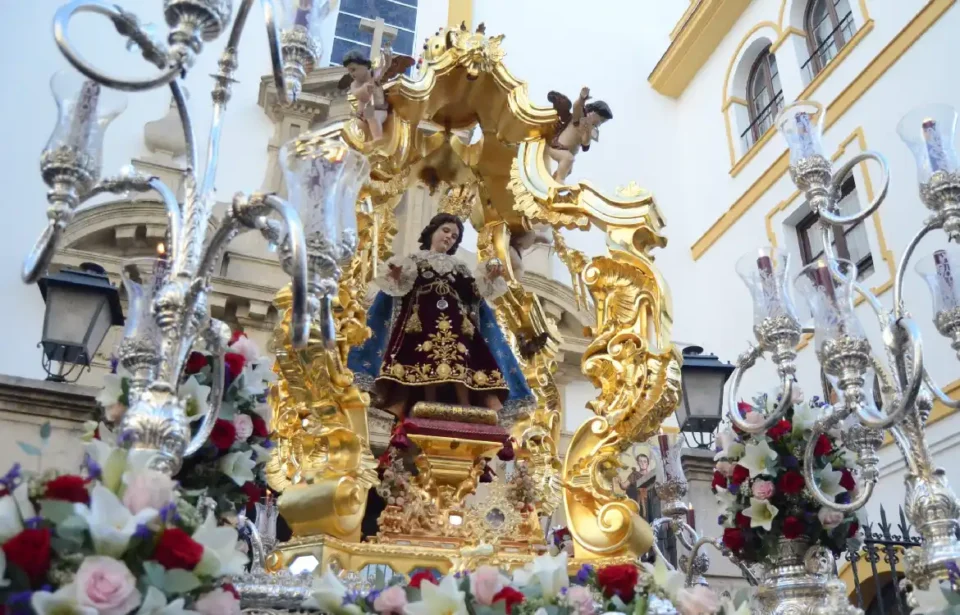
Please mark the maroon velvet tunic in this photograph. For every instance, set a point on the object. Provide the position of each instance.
(434, 338)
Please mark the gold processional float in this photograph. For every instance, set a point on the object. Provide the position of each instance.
(323, 464)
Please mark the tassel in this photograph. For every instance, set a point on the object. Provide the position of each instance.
(506, 453)
(399, 439)
(488, 474)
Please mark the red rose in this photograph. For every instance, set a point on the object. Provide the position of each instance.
(30, 552)
(719, 480)
(234, 363)
(792, 527)
(823, 446)
(420, 577)
(854, 528)
(733, 539)
(69, 488)
(780, 429)
(846, 480)
(176, 549)
(236, 336)
(618, 581)
(743, 521)
(260, 427)
(253, 493)
(791, 482)
(740, 474)
(195, 362)
(510, 597)
(223, 435)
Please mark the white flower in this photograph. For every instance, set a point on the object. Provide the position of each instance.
(248, 348)
(238, 466)
(829, 481)
(257, 376)
(64, 602)
(155, 603)
(10, 522)
(111, 524)
(761, 513)
(804, 416)
(729, 447)
(220, 554)
(551, 572)
(195, 398)
(443, 599)
(263, 454)
(326, 593)
(829, 518)
(759, 459)
(112, 389)
(725, 499)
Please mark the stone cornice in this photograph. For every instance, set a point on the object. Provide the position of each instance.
(52, 400)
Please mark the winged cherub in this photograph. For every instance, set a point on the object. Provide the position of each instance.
(366, 84)
(579, 125)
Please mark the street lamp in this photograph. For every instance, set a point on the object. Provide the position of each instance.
(703, 377)
(82, 305)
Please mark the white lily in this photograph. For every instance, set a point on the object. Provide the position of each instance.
(63, 602)
(828, 480)
(112, 389)
(761, 513)
(551, 572)
(327, 593)
(155, 603)
(220, 554)
(804, 417)
(10, 522)
(111, 523)
(238, 465)
(729, 447)
(195, 398)
(443, 599)
(725, 499)
(249, 349)
(258, 376)
(759, 459)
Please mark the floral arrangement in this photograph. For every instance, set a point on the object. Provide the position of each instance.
(116, 539)
(544, 587)
(760, 488)
(229, 467)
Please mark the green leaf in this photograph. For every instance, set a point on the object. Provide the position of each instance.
(155, 573)
(45, 430)
(29, 449)
(56, 511)
(180, 581)
(112, 471)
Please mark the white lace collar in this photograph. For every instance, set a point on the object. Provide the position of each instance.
(440, 262)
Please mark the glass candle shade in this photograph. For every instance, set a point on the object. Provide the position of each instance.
(84, 110)
(765, 272)
(671, 483)
(801, 125)
(304, 15)
(930, 132)
(941, 272)
(139, 350)
(266, 522)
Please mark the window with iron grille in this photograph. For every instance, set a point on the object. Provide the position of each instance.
(764, 98)
(850, 242)
(401, 14)
(829, 25)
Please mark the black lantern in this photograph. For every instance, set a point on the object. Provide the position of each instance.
(702, 407)
(82, 305)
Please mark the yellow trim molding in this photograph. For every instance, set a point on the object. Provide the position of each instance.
(784, 34)
(460, 11)
(924, 19)
(870, 583)
(832, 64)
(701, 32)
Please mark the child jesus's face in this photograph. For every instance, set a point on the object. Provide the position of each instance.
(445, 237)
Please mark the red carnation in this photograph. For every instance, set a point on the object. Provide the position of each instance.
(846, 480)
(234, 363)
(223, 435)
(792, 527)
(420, 577)
(719, 480)
(854, 528)
(69, 488)
(733, 539)
(618, 580)
(780, 429)
(740, 474)
(744, 407)
(510, 597)
(791, 482)
(743, 521)
(823, 446)
(236, 336)
(259, 427)
(196, 362)
(177, 550)
(30, 552)
(253, 493)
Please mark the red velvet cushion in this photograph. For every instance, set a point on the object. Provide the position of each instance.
(453, 429)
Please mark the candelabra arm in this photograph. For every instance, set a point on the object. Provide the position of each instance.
(217, 335)
(870, 480)
(877, 419)
(297, 245)
(190, 141)
(942, 397)
(931, 225)
(687, 542)
(745, 362)
(258, 554)
(127, 24)
(841, 175)
(276, 52)
(657, 529)
(718, 545)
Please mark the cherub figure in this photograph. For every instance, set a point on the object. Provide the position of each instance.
(366, 84)
(522, 242)
(579, 125)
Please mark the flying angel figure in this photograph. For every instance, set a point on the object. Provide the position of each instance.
(366, 84)
(579, 125)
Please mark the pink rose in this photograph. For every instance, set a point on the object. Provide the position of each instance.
(485, 582)
(829, 518)
(244, 426)
(390, 601)
(217, 602)
(697, 600)
(106, 585)
(148, 489)
(763, 489)
(753, 418)
(580, 600)
(725, 468)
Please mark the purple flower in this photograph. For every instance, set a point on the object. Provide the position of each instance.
(720, 519)
(11, 479)
(33, 522)
(113, 364)
(789, 461)
(142, 532)
(733, 488)
(563, 591)
(350, 597)
(583, 575)
(267, 444)
(94, 471)
(372, 596)
(843, 498)
(168, 513)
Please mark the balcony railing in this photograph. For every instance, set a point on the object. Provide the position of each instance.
(762, 122)
(829, 48)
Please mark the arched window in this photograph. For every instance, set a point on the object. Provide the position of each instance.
(764, 97)
(829, 25)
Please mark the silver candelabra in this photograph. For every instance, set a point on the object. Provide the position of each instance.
(315, 229)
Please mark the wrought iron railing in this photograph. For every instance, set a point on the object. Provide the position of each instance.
(828, 48)
(883, 543)
(763, 122)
